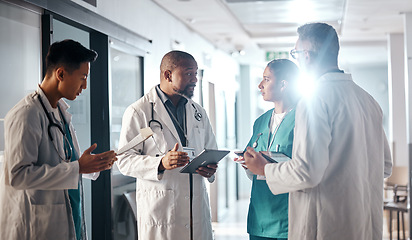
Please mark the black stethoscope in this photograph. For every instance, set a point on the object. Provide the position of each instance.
(198, 116)
(154, 121)
(67, 147)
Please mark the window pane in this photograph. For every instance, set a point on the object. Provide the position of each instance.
(21, 53)
(125, 87)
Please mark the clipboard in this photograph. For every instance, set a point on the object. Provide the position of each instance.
(276, 157)
(207, 156)
(144, 134)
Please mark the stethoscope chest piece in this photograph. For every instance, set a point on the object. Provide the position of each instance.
(198, 116)
(255, 144)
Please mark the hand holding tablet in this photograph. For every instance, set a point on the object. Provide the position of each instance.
(207, 156)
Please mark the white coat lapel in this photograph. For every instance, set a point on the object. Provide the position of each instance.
(163, 115)
(190, 120)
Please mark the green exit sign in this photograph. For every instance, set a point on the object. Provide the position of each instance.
(276, 55)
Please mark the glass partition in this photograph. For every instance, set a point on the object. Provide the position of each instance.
(20, 47)
(125, 87)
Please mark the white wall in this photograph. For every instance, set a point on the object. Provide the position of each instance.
(374, 79)
(147, 19)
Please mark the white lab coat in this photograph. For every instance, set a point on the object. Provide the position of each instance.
(34, 201)
(163, 199)
(339, 161)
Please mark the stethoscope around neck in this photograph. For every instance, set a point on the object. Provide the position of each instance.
(255, 144)
(198, 116)
(156, 123)
(67, 146)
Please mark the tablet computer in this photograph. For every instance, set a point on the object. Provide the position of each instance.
(275, 157)
(207, 156)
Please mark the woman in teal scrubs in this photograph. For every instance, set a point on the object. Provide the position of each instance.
(273, 131)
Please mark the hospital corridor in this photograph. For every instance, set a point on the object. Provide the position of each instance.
(205, 119)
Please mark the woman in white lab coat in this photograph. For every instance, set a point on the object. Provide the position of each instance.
(163, 197)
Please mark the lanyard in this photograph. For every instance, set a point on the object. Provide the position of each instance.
(182, 129)
(270, 140)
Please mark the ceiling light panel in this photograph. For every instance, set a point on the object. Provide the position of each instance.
(300, 11)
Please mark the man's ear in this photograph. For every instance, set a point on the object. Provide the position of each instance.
(59, 72)
(167, 75)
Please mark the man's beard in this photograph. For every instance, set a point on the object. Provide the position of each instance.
(185, 92)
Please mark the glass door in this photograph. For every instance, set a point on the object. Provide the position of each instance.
(125, 87)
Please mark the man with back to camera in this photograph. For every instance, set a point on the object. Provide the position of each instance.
(41, 188)
(163, 194)
(340, 154)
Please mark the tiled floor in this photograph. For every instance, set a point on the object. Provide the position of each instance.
(233, 226)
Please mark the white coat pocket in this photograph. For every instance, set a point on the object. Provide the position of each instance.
(156, 207)
(198, 139)
(45, 221)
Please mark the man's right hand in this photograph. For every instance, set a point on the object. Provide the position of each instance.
(90, 163)
(174, 159)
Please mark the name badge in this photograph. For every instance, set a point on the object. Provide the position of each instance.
(190, 152)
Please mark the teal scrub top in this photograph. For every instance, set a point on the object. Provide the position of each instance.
(74, 194)
(268, 213)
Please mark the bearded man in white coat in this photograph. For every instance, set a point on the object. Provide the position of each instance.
(167, 208)
(340, 154)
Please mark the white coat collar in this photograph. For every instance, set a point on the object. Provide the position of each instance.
(162, 113)
(335, 76)
(166, 121)
(62, 104)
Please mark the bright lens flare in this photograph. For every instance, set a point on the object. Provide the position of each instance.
(306, 86)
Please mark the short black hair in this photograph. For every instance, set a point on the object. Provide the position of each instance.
(69, 54)
(324, 40)
(172, 59)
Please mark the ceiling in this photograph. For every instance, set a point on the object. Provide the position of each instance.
(270, 25)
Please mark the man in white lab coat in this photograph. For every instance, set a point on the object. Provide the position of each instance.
(340, 153)
(163, 194)
(40, 187)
